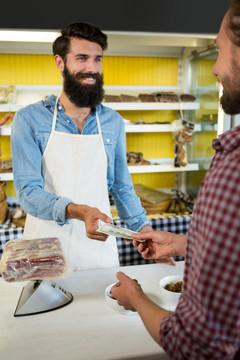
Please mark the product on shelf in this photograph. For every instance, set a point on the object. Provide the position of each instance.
(187, 199)
(2, 95)
(147, 97)
(112, 98)
(129, 98)
(3, 211)
(136, 158)
(7, 94)
(142, 122)
(149, 194)
(19, 217)
(183, 134)
(187, 97)
(6, 165)
(158, 202)
(3, 202)
(33, 260)
(163, 96)
(153, 200)
(166, 97)
(177, 206)
(2, 191)
(139, 122)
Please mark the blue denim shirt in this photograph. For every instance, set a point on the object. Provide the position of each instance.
(31, 128)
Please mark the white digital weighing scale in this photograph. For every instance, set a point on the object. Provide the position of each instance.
(40, 296)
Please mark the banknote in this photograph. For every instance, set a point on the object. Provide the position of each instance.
(110, 229)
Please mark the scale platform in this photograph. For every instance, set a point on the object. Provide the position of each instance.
(40, 296)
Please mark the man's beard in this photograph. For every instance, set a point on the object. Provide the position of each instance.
(230, 99)
(83, 95)
(230, 103)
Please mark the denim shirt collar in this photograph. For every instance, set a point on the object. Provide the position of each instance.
(51, 101)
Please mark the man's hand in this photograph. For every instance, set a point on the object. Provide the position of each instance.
(126, 290)
(90, 216)
(129, 294)
(160, 245)
(167, 260)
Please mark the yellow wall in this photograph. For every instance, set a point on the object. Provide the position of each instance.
(131, 70)
(118, 70)
(27, 69)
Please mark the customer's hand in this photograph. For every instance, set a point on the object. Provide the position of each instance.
(126, 290)
(160, 245)
(129, 294)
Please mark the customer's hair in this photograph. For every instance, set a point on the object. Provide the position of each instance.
(79, 30)
(233, 22)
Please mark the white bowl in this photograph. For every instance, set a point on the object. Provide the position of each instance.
(114, 304)
(169, 298)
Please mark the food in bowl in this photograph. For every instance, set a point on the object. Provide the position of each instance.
(174, 286)
(169, 299)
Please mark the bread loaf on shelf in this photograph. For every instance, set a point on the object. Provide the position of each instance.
(187, 97)
(112, 98)
(147, 97)
(166, 97)
(33, 260)
(129, 98)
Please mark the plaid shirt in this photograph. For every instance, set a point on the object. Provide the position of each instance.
(206, 323)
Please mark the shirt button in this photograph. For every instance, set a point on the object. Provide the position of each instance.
(68, 121)
(108, 140)
(59, 107)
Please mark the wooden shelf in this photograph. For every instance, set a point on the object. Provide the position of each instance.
(27, 94)
(131, 128)
(165, 165)
(152, 106)
(122, 106)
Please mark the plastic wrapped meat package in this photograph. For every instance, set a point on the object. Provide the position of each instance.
(35, 259)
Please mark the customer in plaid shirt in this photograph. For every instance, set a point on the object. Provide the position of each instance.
(206, 322)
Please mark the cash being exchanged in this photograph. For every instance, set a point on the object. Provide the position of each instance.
(110, 229)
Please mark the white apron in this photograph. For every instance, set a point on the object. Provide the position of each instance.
(75, 166)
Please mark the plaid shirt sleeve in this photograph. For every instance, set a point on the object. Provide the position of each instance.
(206, 323)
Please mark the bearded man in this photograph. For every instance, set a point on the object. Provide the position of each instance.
(69, 152)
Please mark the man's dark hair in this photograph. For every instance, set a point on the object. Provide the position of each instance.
(233, 22)
(79, 30)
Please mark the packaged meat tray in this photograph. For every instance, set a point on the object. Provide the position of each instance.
(33, 260)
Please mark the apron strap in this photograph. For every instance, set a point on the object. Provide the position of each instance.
(98, 124)
(55, 115)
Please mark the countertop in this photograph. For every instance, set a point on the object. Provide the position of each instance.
(87, 328)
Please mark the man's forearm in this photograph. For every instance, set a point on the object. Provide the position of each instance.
(146, 228)
(151, 314)
(75, 211)
(180, 244)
